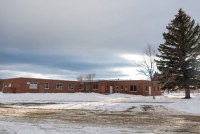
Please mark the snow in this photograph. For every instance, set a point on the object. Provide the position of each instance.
(52, 128)
(166, 103)
(185, 105)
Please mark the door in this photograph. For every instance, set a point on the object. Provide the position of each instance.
(111, 89)
(150, 90)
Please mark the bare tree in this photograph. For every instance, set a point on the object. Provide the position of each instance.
(80, 78)
(89, 78)
(147, 66)
(86, 81)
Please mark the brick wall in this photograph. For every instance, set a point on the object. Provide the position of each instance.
(31, 85)
(1, 85)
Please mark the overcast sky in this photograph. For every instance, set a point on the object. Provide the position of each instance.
(61, 39)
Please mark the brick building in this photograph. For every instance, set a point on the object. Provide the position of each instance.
(1, 85)
(33, 85)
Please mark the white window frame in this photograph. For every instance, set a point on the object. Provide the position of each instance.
(95, 85)
(135, 88)
(45, 86)
(59, 85)
(81, 87)
(33, 85)
(70, 86)
(7, 85)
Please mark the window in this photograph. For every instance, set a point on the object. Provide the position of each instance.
(7, 85)
(46, 86)
(116, 89)
(95, 86)
(58, 85)
(81, 87)
(122, 87)
(70, 86)
(33, 85)
(133, 88)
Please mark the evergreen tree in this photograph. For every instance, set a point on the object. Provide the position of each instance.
(179, 58)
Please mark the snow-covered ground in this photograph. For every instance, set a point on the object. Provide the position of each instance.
(53, 128)
(34, 113)
(172, 102)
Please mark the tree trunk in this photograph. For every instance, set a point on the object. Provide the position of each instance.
(187, 93)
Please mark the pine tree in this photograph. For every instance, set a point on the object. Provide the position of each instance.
(179, 58)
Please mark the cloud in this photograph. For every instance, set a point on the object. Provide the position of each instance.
(83, 36)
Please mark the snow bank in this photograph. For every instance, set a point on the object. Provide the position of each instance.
(113, 102)
(185, 105)
(48, 97)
